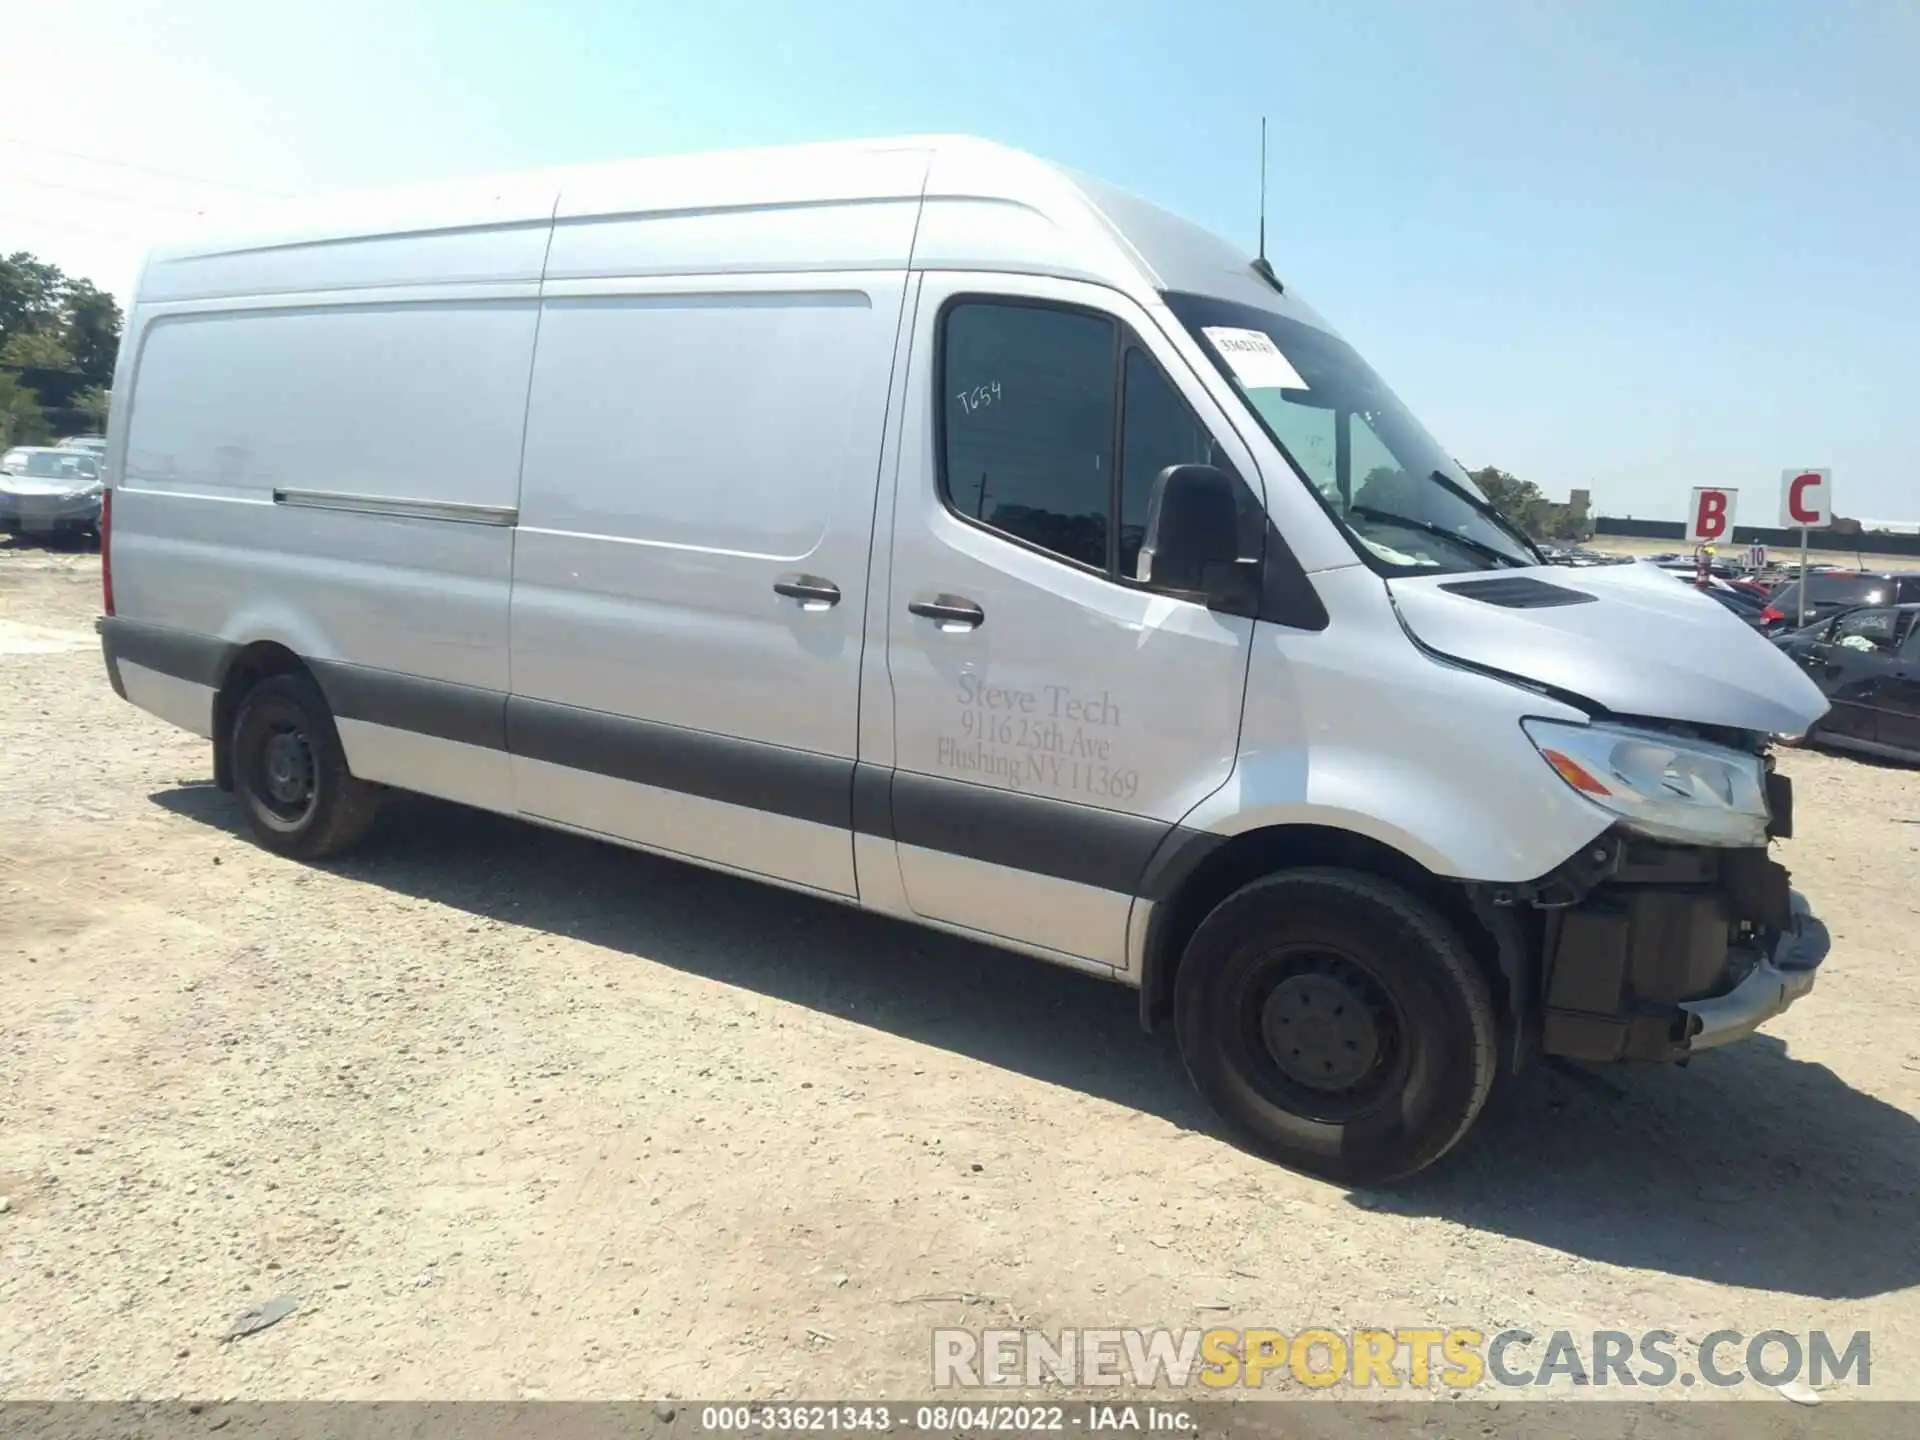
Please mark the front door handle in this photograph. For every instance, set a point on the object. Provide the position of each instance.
(950, 612)
(811, 591)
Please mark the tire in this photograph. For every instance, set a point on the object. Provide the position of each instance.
(1336, 1024)
(290, 774)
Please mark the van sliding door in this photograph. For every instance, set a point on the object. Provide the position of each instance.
(690, 569)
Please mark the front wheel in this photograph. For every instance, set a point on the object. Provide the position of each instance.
(291, 775)
(1337, 1024)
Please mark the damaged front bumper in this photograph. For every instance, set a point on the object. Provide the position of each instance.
(1651, 951)
(1775, 982)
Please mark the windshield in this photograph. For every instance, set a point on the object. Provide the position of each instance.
(68, 466)
(1407, 505)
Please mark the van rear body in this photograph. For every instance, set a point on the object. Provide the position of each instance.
(918, 525)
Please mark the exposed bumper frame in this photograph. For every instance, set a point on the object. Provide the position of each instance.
(1774, 984)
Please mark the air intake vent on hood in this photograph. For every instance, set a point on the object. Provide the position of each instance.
(1518, 592)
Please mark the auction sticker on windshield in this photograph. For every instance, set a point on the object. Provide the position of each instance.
(1256, 361)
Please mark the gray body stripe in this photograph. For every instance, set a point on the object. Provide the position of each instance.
(798, 783)
(439, 708)
(203, 659)
(873, 799)
(1081, 843)
(1127, 854)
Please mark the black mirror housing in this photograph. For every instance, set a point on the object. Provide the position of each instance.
(1192, 542)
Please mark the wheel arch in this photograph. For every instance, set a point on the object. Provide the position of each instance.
(245, 668)
(1195, 877)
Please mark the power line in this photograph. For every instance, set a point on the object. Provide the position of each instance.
(52, 224)
(142, 169)
(113, 195)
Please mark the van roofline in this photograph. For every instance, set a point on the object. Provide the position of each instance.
(984, 206)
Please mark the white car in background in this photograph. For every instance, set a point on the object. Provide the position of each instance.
(94, 445)
(45, 490)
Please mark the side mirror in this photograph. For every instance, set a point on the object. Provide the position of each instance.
(1192, 542)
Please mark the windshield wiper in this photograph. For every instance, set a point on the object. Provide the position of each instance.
(1486, 508)
(1479, 547)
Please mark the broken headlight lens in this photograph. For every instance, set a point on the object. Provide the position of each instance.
(1660, 785)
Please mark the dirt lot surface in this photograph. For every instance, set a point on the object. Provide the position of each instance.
(514, 1115)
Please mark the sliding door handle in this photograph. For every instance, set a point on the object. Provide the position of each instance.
(950, 612)
(811, 591)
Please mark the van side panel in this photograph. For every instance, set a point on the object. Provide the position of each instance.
(341, 480)
(690, 444)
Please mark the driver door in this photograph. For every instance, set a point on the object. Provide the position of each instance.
(1054, 717)
(1899, 722)
(1852, 663)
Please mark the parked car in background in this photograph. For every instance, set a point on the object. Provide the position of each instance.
(1867, 662)
(1749, 608)
(1831, 591)
(94, 445)
(1578, 555)
(49, 491)
(1736, 597)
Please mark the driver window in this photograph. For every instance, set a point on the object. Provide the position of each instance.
(1156, 430)
(1029, 424)
(1867, 630)
(1036, 397)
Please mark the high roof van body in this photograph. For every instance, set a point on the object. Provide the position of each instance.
(922, 526)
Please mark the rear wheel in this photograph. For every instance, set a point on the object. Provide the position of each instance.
(291, 775)
(1337, 1024)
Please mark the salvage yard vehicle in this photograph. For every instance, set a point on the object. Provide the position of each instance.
(1830, 591)
(49, 491)
(1867, 663)
(922, 526)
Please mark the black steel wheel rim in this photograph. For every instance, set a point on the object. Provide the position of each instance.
(285, 772)
(1319, 1034)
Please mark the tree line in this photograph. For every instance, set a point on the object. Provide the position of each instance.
(1526, 505)
(59, 338)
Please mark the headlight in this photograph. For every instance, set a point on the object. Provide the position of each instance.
(1661, 786)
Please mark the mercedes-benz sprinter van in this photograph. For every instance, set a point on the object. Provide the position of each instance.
(922, 526)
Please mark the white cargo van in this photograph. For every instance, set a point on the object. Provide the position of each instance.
(922, 526)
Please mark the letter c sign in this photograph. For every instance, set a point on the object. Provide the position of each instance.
(1806, 499)
(1710, 516)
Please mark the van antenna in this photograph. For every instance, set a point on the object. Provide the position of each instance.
(1260, 265)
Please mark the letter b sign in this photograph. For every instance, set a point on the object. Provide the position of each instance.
(1806, 499)
(1710, 516)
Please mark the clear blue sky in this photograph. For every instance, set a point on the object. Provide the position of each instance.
(1636, 245)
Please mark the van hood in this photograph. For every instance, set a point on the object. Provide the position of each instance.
(1629, 639)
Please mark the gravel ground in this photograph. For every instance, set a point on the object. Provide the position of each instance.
(512, 1115)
